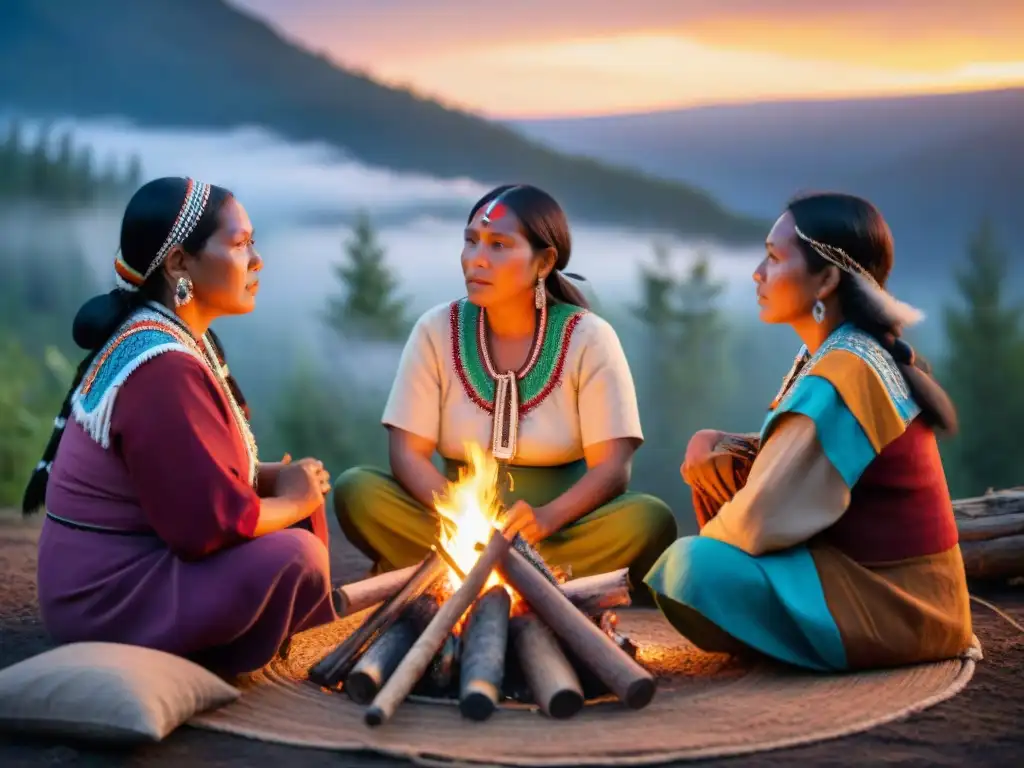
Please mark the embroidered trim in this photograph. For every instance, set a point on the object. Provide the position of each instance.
(851, 339)
(536, 379)
(147, 334)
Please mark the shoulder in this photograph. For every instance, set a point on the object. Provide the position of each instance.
(436, 321)
(590, 333)
(863, 373)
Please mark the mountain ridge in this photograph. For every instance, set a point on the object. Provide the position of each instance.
(126, 59)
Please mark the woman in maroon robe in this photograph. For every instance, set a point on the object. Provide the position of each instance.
(162, 527)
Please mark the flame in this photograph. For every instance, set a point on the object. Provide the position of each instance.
(470, 512)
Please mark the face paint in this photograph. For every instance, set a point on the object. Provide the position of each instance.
(495, 211)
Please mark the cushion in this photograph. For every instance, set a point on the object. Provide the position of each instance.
(107, 692)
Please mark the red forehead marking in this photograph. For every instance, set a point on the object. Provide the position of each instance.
(495, 211)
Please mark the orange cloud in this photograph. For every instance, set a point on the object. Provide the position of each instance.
(538, 57)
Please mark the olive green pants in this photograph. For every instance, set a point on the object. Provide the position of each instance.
(395, 531)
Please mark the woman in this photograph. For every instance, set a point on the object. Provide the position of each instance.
(522, 368)
(835, 548)
(162, 528)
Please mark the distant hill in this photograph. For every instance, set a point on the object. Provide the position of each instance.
(203, 63)
(934, 164)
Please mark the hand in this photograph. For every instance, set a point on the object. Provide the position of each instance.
(531, 523)
(305, 480)
(701, 445)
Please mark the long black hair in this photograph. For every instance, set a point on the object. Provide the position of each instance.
(545, 226)
(859, 229)
(148, 220)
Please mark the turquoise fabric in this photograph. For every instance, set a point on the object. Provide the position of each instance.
(841, 436)
(773, 603)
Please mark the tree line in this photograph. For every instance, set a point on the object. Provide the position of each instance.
(695, 366)
(53, 169)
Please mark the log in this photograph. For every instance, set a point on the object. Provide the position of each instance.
(553, 683)
(533, 556)
(595, 594)
(336, 665)
(1004, 502)
(994, 559)
(416, 661)
(485, 639)
(629, 681)
(990, 526)
(387, 651)
(444, 665)
(360, 595)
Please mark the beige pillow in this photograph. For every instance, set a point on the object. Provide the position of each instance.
(107, 692)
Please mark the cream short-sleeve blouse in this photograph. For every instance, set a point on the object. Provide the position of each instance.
(578, 392)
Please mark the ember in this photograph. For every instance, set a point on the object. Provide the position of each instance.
(444, 627)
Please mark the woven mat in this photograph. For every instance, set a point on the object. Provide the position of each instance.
(706, 706)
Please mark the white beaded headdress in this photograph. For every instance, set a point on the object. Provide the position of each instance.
(888, 308)
(197, 195)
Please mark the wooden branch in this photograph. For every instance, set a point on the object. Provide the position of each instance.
(994, 559)
(553, 683)
(416, 661)
(336, 665)
(1010, 501)
(990, 526)
(628, 680)
(387, 651)
(596, 594)
(485, 639)
(361, 595)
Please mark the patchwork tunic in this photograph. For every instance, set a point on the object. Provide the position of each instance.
(576, 390)
(151, 508)
(836, 547)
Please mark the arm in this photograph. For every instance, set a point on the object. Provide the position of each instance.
(172, 428)
(609, 427)
(412, 467)
(792, 494)
(413, 415)
(609, 464)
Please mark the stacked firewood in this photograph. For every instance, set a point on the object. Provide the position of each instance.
(992, 534)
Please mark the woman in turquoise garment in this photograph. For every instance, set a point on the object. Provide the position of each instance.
(521, 368)
(828, 540)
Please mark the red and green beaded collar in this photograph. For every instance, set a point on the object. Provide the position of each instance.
(543, 369)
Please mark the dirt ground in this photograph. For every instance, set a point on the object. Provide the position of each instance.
(983, 726)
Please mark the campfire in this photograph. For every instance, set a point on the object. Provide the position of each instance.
(483, 619)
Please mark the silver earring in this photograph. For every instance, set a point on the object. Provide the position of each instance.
(183, 291)
(540, 294)
(818, 313)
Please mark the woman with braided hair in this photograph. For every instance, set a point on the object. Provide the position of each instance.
(828, 540)
(162, 527)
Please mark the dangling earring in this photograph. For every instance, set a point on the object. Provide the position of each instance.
(818, 313)
(540, 294)
(183, 291)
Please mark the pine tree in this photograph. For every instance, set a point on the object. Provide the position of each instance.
(985, 371)
(368, 305)
(686, 376)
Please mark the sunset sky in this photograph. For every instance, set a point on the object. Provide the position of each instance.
(529, 58)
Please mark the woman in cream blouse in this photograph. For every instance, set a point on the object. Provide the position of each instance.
(521, 368)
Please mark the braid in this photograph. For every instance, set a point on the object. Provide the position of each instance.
(236, 391)
(35, 492)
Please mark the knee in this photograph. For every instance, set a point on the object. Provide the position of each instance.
(698, 451)
(354, 494)
(684, 569)
(654, 522)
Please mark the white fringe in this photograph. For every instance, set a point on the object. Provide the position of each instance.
(96, 423)
(886, 307)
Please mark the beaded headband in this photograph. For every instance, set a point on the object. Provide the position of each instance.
(197, 195)
(890, 309)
